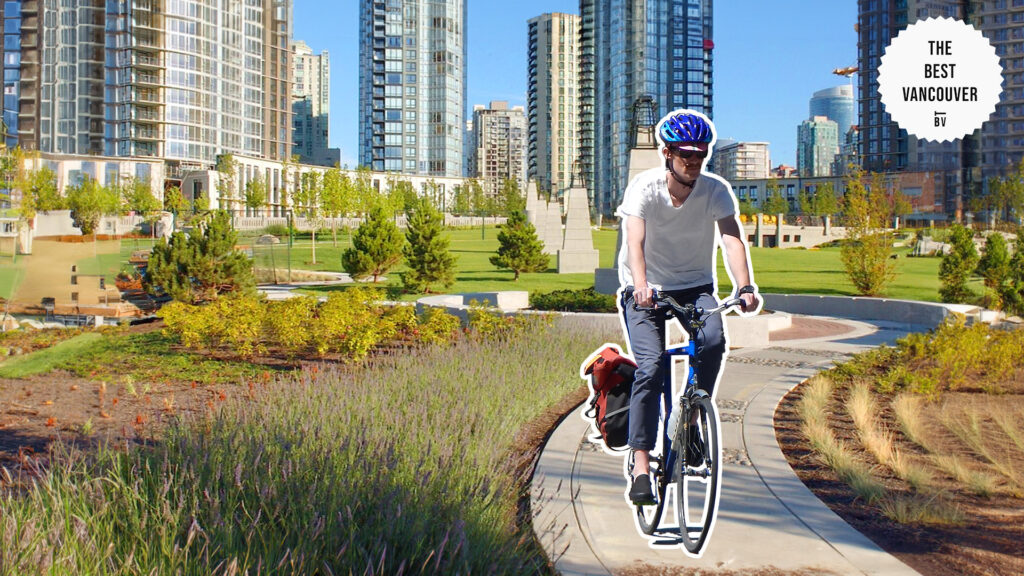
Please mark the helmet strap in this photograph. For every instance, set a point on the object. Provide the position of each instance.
(668, 165)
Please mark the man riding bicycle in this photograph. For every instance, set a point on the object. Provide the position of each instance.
(669, 216)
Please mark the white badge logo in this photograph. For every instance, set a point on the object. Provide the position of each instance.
(940, 79)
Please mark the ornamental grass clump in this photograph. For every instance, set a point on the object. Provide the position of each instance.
(399, 466)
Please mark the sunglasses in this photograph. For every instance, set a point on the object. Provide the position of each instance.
(687, 154)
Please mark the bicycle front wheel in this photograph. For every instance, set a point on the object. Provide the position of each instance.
(697, 473)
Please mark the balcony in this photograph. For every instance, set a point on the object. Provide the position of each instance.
(146, 79)
(145, 61)
(146, 134)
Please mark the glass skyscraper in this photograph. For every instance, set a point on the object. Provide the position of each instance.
(836, 104)
(181, 80)
(412, 86)
(629, 49)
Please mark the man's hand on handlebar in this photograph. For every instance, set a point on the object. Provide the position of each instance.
(751, 301)
(643, 297)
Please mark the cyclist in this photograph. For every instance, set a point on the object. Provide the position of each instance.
(669, 216)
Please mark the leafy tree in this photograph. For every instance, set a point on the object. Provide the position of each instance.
(899, 204)
(775, 203)
(866, 249)
(376, 246)
(308, 202)
(519, 248)
(201, 203)
(89, 202)
(994, 268)
(201, 266)
(957, 266)
(138, 197)
(426, 249)
(39, 191)
(824, 202)
(1013, 291)
(805, 201)
(1008, 191)
(255, 194)
(747, 208)
(364, 196)
(478, 201)
(401, 195)
(511, 199)
(227, 176)
(174, 201)
(460, 200)
(336, 198)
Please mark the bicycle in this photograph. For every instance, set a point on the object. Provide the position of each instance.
(697, 484)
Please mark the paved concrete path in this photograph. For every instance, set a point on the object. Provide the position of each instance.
(767, 517)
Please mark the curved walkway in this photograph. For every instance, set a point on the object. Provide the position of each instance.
(768, 521)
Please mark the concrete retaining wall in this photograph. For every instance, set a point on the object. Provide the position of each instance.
(925, 314)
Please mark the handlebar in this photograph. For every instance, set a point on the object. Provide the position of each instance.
(690, 313)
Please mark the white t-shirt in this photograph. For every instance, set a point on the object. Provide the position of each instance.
(679, 243)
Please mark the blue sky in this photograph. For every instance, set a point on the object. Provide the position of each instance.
(770, 57)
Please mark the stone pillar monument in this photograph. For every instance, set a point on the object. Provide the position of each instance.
(578, 253)
(644, 155)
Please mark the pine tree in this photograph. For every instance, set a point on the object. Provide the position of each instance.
(426, 250)
(1013, 292)
(957, 266)
(376, 247)
(201, 266)
(994, 268)
(520, 250)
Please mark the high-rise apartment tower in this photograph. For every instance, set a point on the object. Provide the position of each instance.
(552, 94)
(311, 105)
(657, 48)
(182, 80)
(412, 85)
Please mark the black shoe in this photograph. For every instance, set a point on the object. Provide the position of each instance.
(640, 493)
(695, 451)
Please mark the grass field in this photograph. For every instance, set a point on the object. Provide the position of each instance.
(792, 271)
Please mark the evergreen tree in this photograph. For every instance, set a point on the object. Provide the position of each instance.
(1013, 291)
(426, 250)
(994, 268)
(520, 250)
(201, 266)
(376, 246)
(957, 266)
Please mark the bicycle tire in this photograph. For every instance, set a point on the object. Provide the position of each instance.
(649, 517)
(697, 487)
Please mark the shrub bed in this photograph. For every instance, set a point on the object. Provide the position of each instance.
(585, 300)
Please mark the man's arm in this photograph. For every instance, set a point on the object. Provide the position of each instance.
(636, 231)
(737, 260)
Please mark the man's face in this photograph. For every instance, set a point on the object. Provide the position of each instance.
(687, 158)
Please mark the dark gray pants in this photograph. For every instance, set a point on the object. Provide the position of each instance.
(645, 330)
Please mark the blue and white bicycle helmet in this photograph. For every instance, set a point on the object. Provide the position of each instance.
(685, 126)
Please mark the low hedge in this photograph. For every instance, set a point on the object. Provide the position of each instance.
(584, 300)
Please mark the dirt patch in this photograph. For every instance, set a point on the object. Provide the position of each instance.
(989, 541)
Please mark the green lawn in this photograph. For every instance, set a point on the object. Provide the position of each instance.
(11, 273)
(794, 271)
(791, 271)
(49, 358)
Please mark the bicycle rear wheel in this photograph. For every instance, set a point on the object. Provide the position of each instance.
(648, 517)
(697, 485)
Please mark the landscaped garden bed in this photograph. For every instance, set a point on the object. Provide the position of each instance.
(921, 447)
